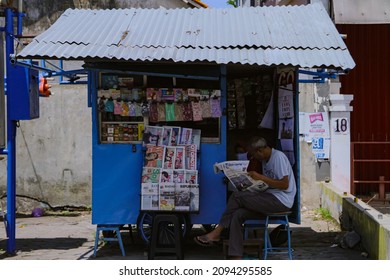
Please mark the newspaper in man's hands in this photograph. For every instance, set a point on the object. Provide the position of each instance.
(235, 171)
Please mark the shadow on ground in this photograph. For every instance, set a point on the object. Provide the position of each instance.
(307, 245)
(32, 244)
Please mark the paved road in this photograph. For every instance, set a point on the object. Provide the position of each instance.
(57, 237)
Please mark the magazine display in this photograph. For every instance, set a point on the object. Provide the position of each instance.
(179, 175)
(190, 154)
(153, 135)
(167, 196)
(166, 176)
(150, 175)
(149, 196)
(186, 136)
(169, 157)
(182, 197)
(175, 135)
(169, 180)
(235, 171)
(180, 158)
(154, 156)
(191, 176)
(166, 136)
(194, 197)
(196, 137)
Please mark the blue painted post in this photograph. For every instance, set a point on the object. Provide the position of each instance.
(11, 139)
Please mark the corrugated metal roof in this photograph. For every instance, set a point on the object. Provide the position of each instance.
(292, 35)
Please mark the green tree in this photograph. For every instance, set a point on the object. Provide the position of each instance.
(232, 2)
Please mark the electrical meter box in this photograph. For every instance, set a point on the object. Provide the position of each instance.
(23, 91)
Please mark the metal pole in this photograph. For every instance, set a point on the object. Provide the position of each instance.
(2, 94)
(11, 139)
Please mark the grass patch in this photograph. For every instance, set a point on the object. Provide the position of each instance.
(323, 214)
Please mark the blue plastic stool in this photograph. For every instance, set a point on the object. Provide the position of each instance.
(116, 229)
(263, 222)
(281, 219)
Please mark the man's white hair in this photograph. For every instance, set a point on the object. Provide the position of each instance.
(257, 142)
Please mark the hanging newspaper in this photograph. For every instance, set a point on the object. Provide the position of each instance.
(236, 172)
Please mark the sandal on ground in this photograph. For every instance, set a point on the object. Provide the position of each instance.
(204, 241)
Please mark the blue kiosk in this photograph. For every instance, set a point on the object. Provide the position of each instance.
(190, 49)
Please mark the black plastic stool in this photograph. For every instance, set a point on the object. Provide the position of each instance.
(156, 244)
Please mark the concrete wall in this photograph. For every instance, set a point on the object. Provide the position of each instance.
(54, 152)
(43, 13)
(312, 98)
(372, 226)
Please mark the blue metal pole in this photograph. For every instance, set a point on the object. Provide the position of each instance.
(11, 139)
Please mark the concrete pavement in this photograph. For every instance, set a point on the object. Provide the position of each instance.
(67, 237)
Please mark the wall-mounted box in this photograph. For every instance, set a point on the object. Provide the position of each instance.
(23, 93)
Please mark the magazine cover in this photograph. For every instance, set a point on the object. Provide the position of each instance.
(166, 176)
(150, 175)
(175, 135)
(154, 156)
(179, 176)
(149, 196)
(193, 93)
(169, 157)
(149, 188)
(180, 157)
(167, 95)
(141, 128)
(152, 135)
(151, 94)
(167, 196)
(190, 156)
(186, 136)
(166, 136)
(185, 95)
(191, 176)
(178, 94)
(194, 197)
(196, 137)
(182, 197)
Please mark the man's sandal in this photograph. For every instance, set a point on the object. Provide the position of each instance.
(204, 241)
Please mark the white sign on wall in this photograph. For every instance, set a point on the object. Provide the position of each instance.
(315, 128)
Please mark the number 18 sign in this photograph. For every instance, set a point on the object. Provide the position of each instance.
(340, 126)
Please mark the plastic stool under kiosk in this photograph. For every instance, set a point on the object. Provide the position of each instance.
(281, 219)
(156, 247)
(114, 228)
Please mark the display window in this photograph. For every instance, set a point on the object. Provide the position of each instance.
(127, 103)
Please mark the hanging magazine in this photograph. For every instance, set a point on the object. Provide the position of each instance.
(236, 172)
